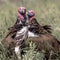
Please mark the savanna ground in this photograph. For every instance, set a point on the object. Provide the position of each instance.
(47, 12)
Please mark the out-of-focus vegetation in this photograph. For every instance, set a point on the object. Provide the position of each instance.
(47, 12)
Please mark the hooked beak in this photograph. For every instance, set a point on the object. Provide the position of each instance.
(23, 11)
(27, 14)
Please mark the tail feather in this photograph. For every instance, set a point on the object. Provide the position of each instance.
(48, 28)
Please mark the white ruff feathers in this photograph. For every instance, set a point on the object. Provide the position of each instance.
(24, 30)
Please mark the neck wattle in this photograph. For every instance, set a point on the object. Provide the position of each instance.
(22, 17)
(32, 18)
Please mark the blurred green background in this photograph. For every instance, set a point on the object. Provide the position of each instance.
(47, 12)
